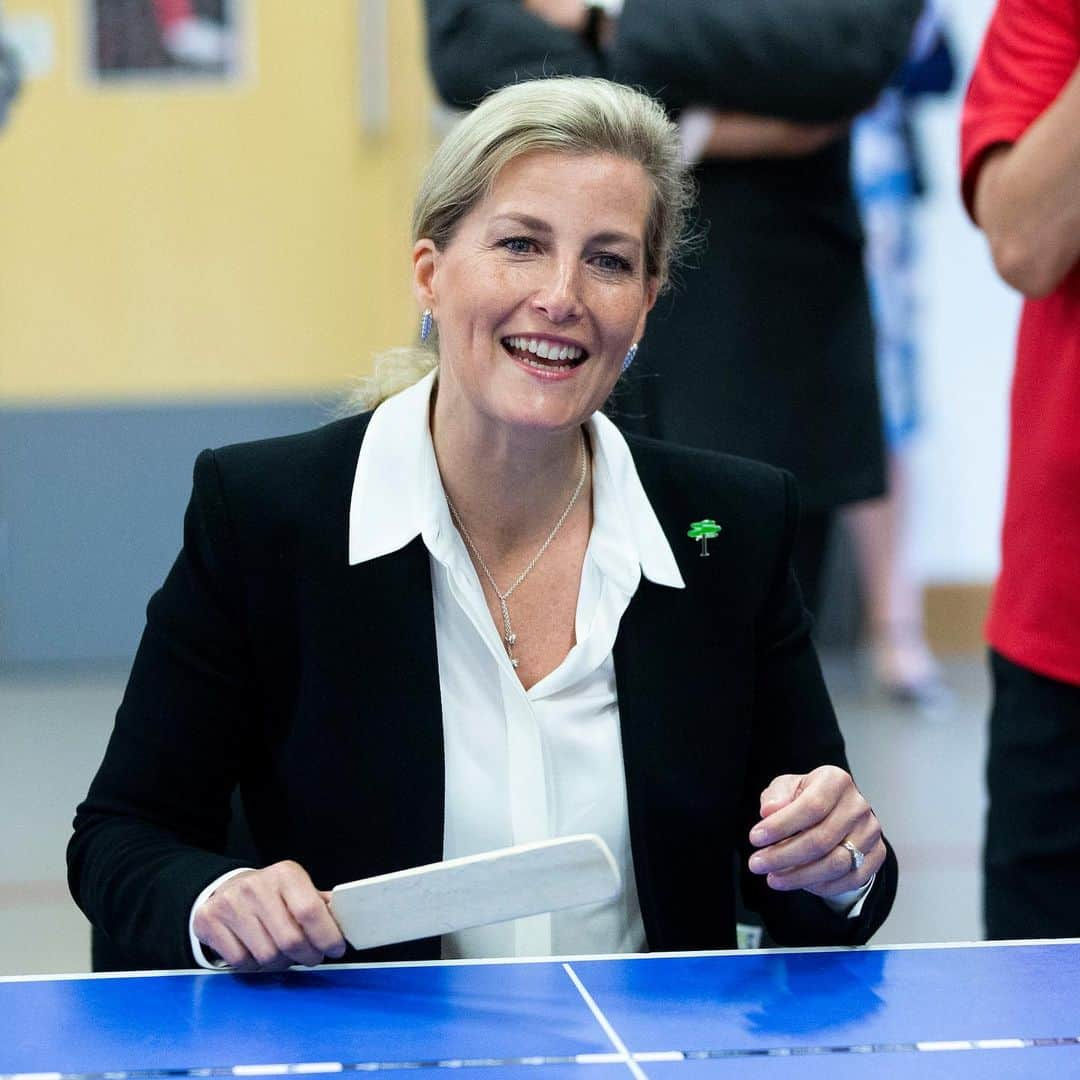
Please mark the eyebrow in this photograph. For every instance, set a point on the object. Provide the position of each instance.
(538, 225)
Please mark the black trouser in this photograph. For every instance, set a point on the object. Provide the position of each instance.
(1032, 856)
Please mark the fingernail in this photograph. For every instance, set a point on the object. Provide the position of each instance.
(758, 835)
(756, 862)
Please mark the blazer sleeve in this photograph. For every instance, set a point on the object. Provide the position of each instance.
(149, 835)
(795, 731)
(475, 46)
(807, 60)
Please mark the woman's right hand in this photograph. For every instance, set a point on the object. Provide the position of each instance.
(267, 920)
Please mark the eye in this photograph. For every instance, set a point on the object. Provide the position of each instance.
(519, 245)
(611, 263)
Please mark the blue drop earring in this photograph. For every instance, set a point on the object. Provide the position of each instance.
(629, 359)
(425, 325)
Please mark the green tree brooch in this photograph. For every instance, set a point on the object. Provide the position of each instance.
(704, 530)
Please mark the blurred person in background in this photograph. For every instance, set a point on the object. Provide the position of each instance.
(766, 348)
(889, 182)
(1020, 161)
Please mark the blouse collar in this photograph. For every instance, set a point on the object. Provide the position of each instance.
(398, 495)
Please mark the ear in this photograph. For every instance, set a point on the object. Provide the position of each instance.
(425, 259)
(652, 291)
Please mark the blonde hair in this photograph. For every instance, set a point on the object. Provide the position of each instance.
(567, 115)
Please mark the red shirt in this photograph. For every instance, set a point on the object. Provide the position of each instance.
(1031, 49)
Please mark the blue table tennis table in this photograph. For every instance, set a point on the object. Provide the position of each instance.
(913, 1012)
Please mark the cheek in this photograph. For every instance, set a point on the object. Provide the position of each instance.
(490, 295)
(627, 315)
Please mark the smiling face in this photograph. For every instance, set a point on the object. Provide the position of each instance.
(540, 292)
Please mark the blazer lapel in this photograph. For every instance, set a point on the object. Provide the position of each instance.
(391, 740)
(671, 674)
(395, 681)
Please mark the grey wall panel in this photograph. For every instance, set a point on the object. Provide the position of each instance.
(91, 509)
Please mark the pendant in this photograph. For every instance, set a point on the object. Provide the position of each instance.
(509, 637)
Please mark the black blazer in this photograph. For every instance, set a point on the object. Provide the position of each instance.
(270, 664)
(765, 348)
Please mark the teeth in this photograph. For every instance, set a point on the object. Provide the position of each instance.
(546, 350)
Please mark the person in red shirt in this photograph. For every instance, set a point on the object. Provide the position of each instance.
(1020, 162)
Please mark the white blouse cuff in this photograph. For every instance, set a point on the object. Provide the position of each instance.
(851, 901)
(196, 945)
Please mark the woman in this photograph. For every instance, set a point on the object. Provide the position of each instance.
(473, 617)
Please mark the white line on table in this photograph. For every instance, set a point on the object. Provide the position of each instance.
(635, 1069)
(622, 1057)
(742, 954)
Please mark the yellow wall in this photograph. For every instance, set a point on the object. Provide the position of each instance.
(231, 239)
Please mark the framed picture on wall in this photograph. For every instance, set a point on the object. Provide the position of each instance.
(164, 40)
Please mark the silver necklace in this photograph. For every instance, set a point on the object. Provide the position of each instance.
(509, 637)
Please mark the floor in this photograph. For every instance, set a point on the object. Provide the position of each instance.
(922, 771)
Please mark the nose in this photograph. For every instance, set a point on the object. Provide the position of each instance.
(559, 294)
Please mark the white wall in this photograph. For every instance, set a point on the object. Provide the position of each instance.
(969, 323)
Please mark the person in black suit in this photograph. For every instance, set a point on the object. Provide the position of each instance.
(477, 615)
(766, 349)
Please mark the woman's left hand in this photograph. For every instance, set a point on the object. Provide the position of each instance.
(804, 822)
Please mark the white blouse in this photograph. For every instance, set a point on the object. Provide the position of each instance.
(521, 765)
